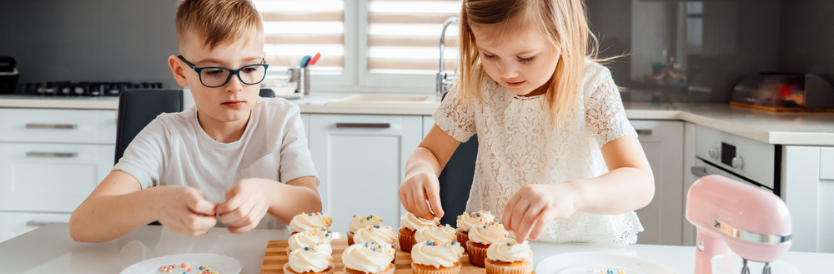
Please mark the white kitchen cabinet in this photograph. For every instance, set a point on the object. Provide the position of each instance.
(808, 188)
(50, 161)
(662, 142)
(428, 122)
(50, 177)
(360, 160)
(13, 224)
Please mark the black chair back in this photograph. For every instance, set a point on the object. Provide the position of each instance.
(456, 180)
(138, 107)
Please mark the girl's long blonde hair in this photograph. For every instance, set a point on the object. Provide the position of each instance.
(565, 23)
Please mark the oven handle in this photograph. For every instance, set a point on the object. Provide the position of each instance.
(698, 171)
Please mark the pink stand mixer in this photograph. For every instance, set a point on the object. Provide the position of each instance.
(734, 216)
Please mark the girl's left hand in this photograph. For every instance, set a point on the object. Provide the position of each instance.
(246, 204)
(532, 208)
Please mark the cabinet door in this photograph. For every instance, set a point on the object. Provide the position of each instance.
(13, 224)
(662, 218)
(50, 177)
(807, 189)
(428, 122)
(360, 160)
(58, 126)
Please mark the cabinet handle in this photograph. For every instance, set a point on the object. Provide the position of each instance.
(644, 132)
(698, 171)
(52, 154)
(363, 125)
(51, 126)
(34, 223)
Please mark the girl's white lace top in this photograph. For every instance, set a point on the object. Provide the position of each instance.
(519, 145)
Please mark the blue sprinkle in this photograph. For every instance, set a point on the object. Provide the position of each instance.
(326, 234)
(430, 243)
(509, 244)
(306, 248)
(373, 243)
(374, 249)
(468, 229)
(201, 267)
(366, 245)
(478, 214)
(453, 243)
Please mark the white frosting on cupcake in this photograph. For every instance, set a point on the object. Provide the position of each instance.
(414, 223)
(359, 222)
(487, 234)
(369, 257)
(311, 258)
(507, 250)
(308, 238)
(310, 221)
(469, 220)
(435, 233)
(380, 234)
(436, 254)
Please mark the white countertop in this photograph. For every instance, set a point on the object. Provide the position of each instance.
(50, 250)
(815, 129)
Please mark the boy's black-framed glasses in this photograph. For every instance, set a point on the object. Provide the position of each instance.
(213, 77)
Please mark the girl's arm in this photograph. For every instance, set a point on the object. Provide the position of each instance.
(119, 205)
(628, 186)
(250, 199)
(421, 171)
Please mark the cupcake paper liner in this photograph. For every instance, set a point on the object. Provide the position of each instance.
(288, 270)
(453, 270)
(477, 254)
(506, 269)
(406, 239)
(389, 271)
(463, 238)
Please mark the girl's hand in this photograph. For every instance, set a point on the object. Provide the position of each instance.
(532, 208)
(418, 188)
(185, 210)
(246, 204)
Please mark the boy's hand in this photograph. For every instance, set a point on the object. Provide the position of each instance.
(246, 204)
(416, 190)
(532, 208)
(184, 210)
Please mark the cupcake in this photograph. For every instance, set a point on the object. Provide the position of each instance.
(508, 257)
(361, 222)
(378, 234)
(411, 223)
(310, 260)
(469, 220)
(438, 233)
(431, 257)
(480, 238)
(369, 258)
(311, 221)
(308, 238)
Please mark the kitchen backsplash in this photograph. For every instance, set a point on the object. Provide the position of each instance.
(675, 51)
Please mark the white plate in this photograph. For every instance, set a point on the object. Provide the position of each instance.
(223, 264)
(584, 262)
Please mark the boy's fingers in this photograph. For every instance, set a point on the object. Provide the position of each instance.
(518, 214)
(422, 206)
(231, 203)
(236, 215)
(199, 205)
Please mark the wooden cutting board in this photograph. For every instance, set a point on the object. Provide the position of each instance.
(276, 257)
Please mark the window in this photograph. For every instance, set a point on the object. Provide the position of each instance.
(366, 45)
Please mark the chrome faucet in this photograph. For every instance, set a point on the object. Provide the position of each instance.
(442, 77)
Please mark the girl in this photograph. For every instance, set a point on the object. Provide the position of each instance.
(557, 160)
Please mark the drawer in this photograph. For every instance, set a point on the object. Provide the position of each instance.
(58, 126)
(827, 163)
(13, 224)
(50, 177)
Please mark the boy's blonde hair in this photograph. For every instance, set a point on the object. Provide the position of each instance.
(564, 22)
(216, 22)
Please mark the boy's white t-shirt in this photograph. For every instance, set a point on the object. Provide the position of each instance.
(173, 149)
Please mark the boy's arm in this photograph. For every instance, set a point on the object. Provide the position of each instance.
(119, 205)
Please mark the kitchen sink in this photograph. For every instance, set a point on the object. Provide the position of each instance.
(388, 100)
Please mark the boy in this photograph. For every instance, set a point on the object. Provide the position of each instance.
(232, 158)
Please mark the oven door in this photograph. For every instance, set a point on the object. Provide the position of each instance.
(703, 168)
